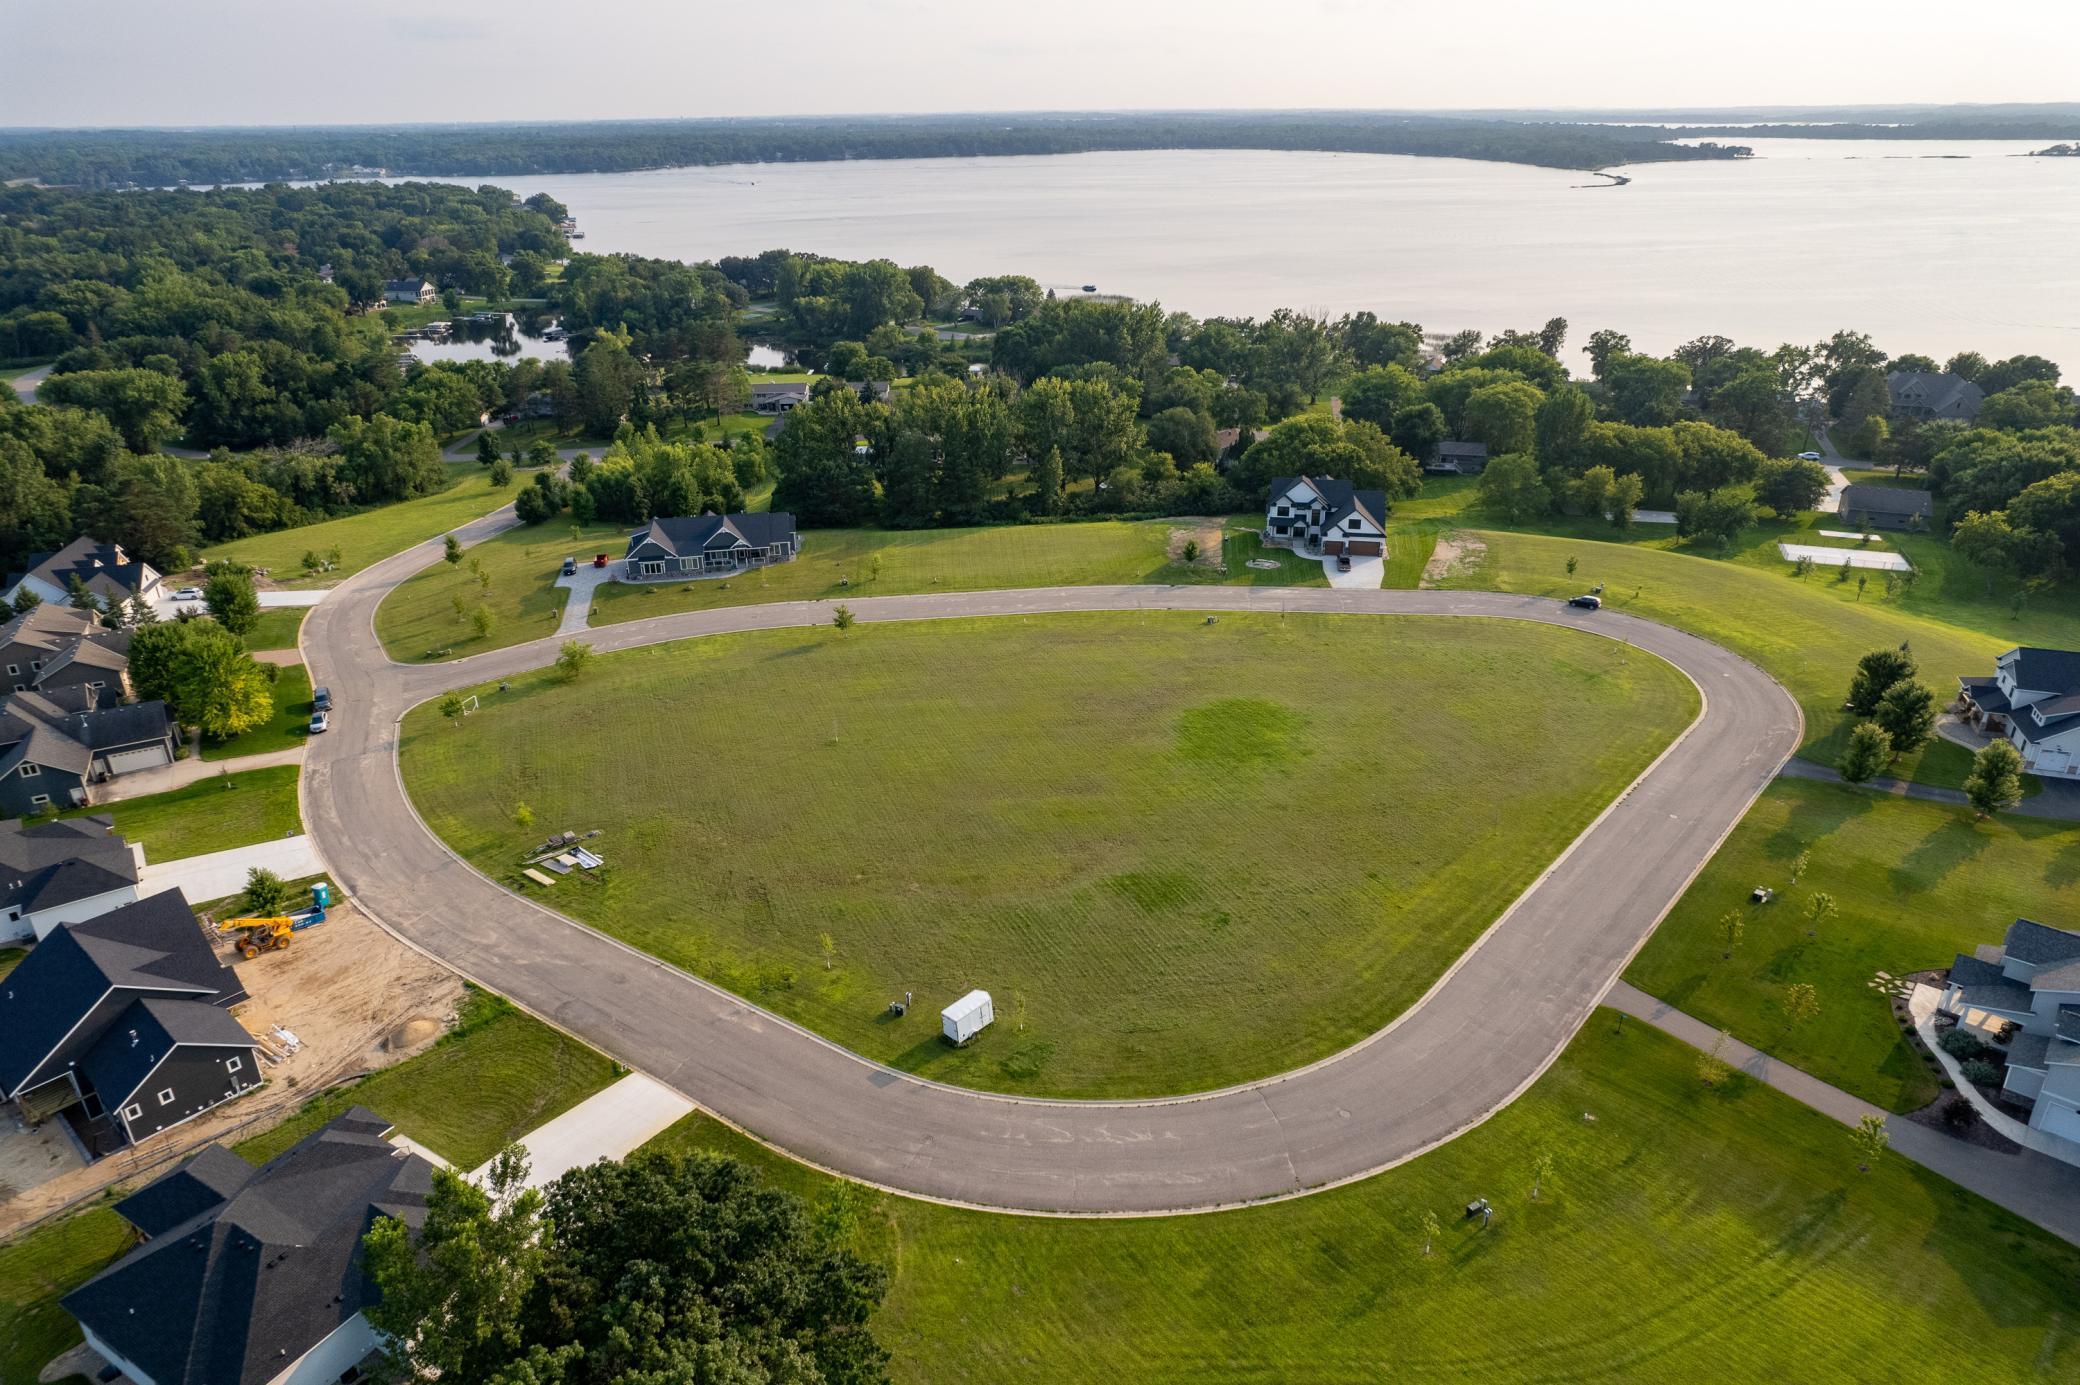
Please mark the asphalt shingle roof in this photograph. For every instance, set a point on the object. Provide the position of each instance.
(1985, 986)
(144, 1034)
(204, 1182)
(2040, 944)
(2054, 671)
(690, 535)
(235, 1293)
(1340, 499)
(1886, 500)
(46, 864)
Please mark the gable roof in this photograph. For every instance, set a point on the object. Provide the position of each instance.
(2040, 944)
(779, 389)
(105, 567)
(688, 535)
(48, 625)
(152, 947)
(1939, 393)
(2043, 670)
(1339, 499)
(202, 1183)
(87, 653)
(1886, 500)
(1462, 449)
(236, 1292)
(46, 864)
(144, 1034)
(1985, 985)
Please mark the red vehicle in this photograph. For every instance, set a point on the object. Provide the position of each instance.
(599, 560)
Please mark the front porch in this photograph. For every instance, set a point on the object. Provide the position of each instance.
(724, 563)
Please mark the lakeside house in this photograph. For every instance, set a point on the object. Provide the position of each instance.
(1323, 516)
(63, 872)
(778, 396)
(2033, 701)
(2024, 997)
(255, 1276)
(1923, 394)
(121, 1025)
(1886, 507)
(709, 545)
(410, 291)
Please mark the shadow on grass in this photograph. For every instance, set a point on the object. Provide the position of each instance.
(1816, 815)
(1942, 851)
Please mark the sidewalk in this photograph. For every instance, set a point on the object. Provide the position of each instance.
(220, 873)
(2055, 803)
(192, 770)
(2033, 1186)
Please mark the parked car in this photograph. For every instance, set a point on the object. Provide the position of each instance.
(321, 699)
(1587, 603)
(1810, 457)
(321, 722)
(1343, 562)
(188, 594)
(570, 567)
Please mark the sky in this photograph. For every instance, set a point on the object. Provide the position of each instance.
(282, 62)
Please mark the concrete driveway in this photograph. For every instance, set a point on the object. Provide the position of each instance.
(1366, 574)
(221, 873)
(1481, 1037)
(581, 584)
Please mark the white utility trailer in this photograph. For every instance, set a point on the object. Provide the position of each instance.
(966, 1017)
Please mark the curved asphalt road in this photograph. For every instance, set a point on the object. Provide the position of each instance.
(1480, 1037)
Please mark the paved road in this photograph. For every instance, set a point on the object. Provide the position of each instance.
(1483, 1034)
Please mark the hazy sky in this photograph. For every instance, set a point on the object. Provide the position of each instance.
(198, 62)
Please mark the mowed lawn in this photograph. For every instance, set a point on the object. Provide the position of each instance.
(39, 1269)
(420, 620)
(213, 814)
(372, 535)
(1177, 854)
(497, 1075)
(287, 729)
(1806, 633)
(1915, 883)
(278, 628)
(1685, 1234)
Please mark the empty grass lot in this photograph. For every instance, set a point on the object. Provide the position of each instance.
(372, 535)
(278, 628)
(1685, 1234)
(497, 1075)
(1916, 883)
(39, 1269)
(1178, 854)
(213, 814)
(287, 729)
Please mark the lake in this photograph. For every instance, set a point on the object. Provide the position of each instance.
(507, 340)
(1928, 246)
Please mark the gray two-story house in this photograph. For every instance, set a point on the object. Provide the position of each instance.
(2026, 994)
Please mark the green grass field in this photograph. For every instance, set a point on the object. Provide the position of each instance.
(213, 814)
(1915, 883)
(278, 628)
(10, 958)
(372, 535)
(287, 729)
(497, 1075)
(39, 1269)
(1179, 855)
(1685, 1234)
(418, 620)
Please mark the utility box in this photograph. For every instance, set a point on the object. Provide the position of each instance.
(966, 1017)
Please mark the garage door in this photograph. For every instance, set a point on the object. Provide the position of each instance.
(1365, 548)
(130, 761)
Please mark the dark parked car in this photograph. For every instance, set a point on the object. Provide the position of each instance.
(1343, 562)
(570, 567)
(1587, 603)
(321, 699)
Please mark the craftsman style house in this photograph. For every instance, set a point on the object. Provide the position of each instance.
(104, 568)
(51, 646)
(1886, 507)
(709, 546)
(2033, 699)
(1324, 516)
(409, 291)
(62, 872)
(2026, 994)
(1925, 394)
(121, 1024)
(55, 746)
(778, 396)
(255, 1276)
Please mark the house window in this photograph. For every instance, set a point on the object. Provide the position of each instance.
(653, 569)
(233, 1064)
(131, 1113)
(30, 769)
(166, 1097)
(39, 800)
(13, 670)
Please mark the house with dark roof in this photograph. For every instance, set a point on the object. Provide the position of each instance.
(62, 872)
(409, 291)
(1886, 507)
(1925, 394)
(778, 396)
(2024, 997)
(252, 1276)
(121, 1024)
(55, 746)
(1324, 516)
(103, 568)
(708, 545)
(1459, 459)
(52, 646)
(2033, 701)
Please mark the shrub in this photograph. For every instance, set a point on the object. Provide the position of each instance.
(1960, 1114)
(1962, 1045)
(1981, 1073)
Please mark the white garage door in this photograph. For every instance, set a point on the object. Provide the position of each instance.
(130, 761)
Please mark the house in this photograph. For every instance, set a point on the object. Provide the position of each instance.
(409, 291)
(52, 646)
(325, 273)
(2026, 994)
(55, 746)
(122, 1024)
(1459, 459)
(778, 396)
(1886, 507)
(62, 872)
(1322, 515)
(1923, 394)
(2033, 699)
(872, 391)
(255, 1276)
(709, 546)
(103, 568)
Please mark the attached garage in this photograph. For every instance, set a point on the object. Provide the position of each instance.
(144, 757)
(1366, 548)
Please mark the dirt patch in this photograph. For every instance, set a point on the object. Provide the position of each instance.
(1196, 529)
(1454, 554)
(356, 1000)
